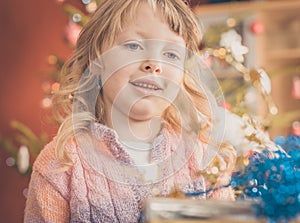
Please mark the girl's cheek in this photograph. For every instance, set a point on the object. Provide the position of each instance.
(175, 74)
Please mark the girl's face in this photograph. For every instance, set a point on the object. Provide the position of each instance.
(142, 71)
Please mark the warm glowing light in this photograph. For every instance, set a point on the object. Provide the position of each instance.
(23, 159)
(246, 162)
(296, 128)
(55, 87)
(216, 53)
(10, 161)
(86, 1)
(231, 22)
(222, 52)
(52, 59)
(257, 27)
(25, 192)
(91, 7)
(76, 17)
(46, 103)
(214, 170)
(273, 110)
(296, 88)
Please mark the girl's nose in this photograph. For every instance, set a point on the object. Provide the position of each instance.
(152, 67)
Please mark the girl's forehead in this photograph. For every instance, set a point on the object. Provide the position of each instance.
(138, 14)
(149, 23)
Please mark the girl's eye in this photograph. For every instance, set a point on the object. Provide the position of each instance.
(133, 46)
(172, 56)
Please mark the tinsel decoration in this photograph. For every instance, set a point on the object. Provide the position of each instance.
(272, 180)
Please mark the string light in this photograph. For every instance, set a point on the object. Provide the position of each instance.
(10, 161)
(296, 88)
(231, 22)
(274, 110)
(46, 103)
(25, 192)
(296, 128)
(52, 59)
(76, 17)
(222, 52)
(55, 87)
(23, 159)
(86, 1)
(214, 170)
(216, 53)
(91, 7)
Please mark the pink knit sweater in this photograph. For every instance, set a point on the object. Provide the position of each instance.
(91, 192)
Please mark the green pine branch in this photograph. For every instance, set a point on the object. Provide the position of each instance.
(25, 136)
(8, 146)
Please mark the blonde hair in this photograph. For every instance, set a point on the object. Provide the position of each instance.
(106, 23)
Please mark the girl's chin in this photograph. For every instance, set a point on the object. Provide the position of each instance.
(146, 109)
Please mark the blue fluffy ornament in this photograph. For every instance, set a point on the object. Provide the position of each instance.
(273, 180)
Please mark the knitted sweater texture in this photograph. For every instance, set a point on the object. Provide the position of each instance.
(102, 184)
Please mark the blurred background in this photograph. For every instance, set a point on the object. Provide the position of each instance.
(30, 32)
(38, 36)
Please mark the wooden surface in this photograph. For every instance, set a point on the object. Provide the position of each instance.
(169, 210)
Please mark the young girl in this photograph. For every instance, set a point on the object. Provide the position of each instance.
(137, 122)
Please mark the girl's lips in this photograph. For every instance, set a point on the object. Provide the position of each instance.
(146, 84)
(146, 87)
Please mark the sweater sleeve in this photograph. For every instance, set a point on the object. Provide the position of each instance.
(44, 203)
